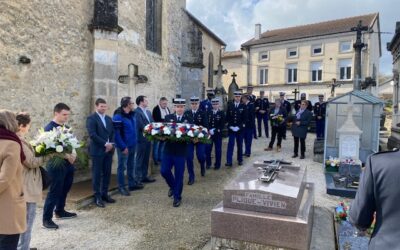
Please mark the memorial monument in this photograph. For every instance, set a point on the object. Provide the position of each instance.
(256, 214)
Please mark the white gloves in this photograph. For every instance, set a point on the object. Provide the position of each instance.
(212, 131)
(234, 129)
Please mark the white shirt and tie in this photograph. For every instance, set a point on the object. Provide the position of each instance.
(102, 118)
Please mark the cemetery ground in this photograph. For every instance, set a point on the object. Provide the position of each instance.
(147, 220)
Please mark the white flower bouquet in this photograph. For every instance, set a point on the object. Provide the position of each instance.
(176, 132)
(56, 142)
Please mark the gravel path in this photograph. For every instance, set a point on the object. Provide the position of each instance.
(147, 220)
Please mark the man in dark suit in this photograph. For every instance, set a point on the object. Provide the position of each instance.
(101, 149)
(235, 116)
(143, 117)
(286, 105)
(159, 113)
(199, 118)
(174, 156)
(299, 129)
(262, 107)
(319, 113)
(297, 103)
(249, 125)
(276, 125)
(379, 194)
(216, 124)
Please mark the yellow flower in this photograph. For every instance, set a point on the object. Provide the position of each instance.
(39, 149)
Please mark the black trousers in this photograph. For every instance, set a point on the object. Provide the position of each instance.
(302, 145)
(276, 131)
(9, 241)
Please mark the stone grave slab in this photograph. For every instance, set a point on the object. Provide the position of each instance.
(282, 196)
(276, 214)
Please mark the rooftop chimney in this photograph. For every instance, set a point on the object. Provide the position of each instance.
(257, 31)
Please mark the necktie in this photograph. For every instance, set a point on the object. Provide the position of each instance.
(178, 118)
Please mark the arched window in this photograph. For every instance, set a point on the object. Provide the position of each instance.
(153, 25)
(210, 70)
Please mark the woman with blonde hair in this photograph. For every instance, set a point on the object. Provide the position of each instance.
(12, 201)
(32, 179)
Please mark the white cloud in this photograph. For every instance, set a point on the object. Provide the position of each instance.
(233, 20)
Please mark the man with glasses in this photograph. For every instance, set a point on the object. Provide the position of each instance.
(125, 140)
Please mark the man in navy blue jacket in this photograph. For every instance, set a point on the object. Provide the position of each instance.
(199, 118)
(101, 149)
(125, 142)
(174, 155)
(236, 116)
(62, 176)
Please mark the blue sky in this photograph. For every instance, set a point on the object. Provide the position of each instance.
(233, 20)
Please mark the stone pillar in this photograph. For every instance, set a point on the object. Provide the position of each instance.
(105, 67)
(105, 53)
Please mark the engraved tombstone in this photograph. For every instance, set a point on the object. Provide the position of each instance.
(349, 137)
(273, 214)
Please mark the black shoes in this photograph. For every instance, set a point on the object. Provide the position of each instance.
(148, 180)
(247, 155)
(302, 157)
(65, 215)
(176, 203)
(136, 187)
(99, 202)
(49, 224)
(294, 156)
(190, 182)
(240, 163)
(228, 164)
(203, 172)
(124, 192)
(108, 199)
(216, 168)
(208, 167)
(170, 193)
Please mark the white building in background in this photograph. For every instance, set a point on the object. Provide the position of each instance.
(306, 58)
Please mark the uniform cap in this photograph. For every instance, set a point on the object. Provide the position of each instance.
(237, 93)
(282, 93)
(179, 101)
(194, 99)
(320, 95)
(210, 91)
(215, 100)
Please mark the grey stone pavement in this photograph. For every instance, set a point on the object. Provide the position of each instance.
(147, 220)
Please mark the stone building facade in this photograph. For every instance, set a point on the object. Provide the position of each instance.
(81, 50)
(307, 57)
(394, 48)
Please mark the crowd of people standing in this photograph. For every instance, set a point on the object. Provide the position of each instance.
(245, 118)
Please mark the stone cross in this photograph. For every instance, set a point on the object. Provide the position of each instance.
(358, 46)
(295, 92)
(333, 86)
(132, 79)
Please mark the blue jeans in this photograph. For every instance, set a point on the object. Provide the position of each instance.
(61, 182)
(217, 141)
(142, 160)
(158, 147)
(101, 173)
(174, 181)
(25, 238)
(126, 162)
(238, 136)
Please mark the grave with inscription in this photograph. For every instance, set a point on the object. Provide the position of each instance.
(256, 214)
(352, 133)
